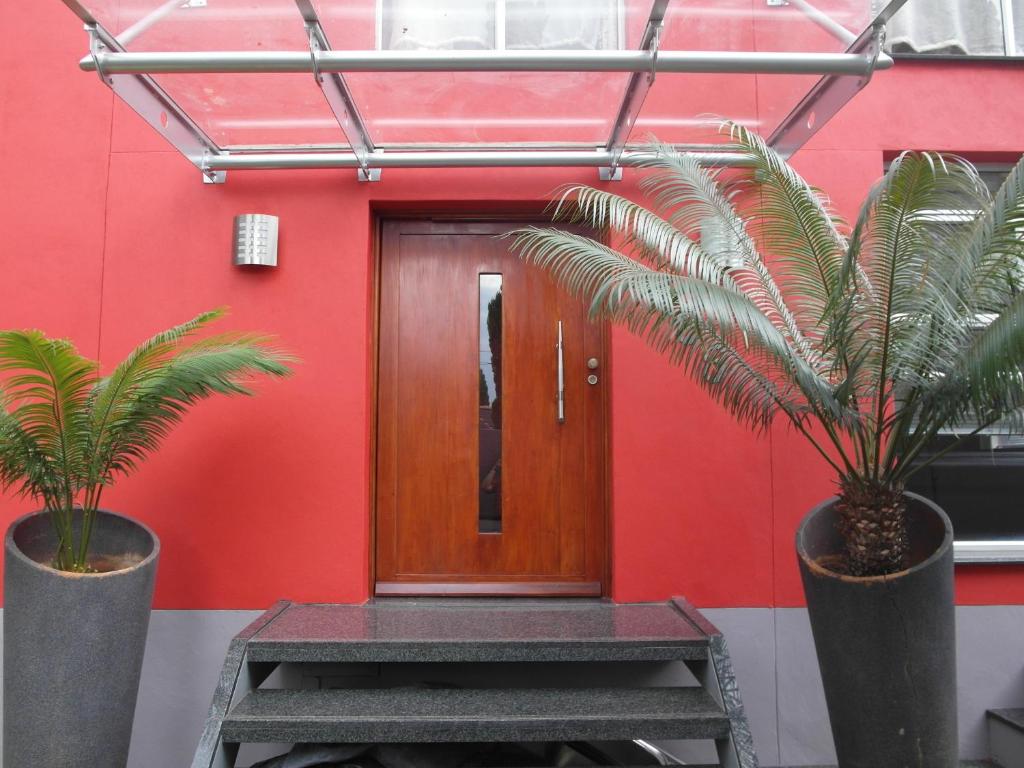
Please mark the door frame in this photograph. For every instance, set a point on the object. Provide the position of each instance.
(526, 212)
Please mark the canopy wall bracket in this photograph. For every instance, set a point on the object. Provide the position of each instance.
(339, 97)
(152, 104)
(636, 91)
(833, 91)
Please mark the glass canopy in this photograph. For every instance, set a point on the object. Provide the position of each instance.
(372, 84)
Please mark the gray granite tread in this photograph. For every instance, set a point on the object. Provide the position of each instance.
(479, 630)
(460, 715)
(1012, 717)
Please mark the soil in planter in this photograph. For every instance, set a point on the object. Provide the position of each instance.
(99, 564)
(109, 563)
(839, 563)
(835, 563)
(117, 544)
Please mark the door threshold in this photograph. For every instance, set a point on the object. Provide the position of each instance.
(488, 589)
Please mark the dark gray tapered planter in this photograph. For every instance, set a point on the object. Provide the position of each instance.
(73, 645)
(886, 645)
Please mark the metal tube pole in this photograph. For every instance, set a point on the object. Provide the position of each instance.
(743, 62)
(456, 159)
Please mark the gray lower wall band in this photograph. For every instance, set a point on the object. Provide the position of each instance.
(772, 652)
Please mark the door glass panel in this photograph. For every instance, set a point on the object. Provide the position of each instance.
(490, 404)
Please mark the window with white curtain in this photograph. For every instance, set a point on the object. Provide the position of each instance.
(1018, 27)
(957, 27)
(499, 24)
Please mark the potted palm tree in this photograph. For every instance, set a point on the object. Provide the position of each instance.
(867, 339)
(78, 580)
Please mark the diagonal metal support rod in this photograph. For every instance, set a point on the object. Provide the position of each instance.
(824, 21)
(636, 91)
(338, 95)
(155, 106)
(147, 21)
(833, 91)
(834, 28)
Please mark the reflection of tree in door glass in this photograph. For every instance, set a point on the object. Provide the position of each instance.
(490, 404)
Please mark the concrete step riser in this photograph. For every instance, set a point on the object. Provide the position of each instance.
(483, 675)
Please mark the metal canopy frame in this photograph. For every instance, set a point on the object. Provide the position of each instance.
(129, 75)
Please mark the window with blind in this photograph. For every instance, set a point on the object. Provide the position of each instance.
(500, 24)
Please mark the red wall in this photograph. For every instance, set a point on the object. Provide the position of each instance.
(107, 235)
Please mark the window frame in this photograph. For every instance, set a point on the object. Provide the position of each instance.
(499, 25)
(1009, 28)
(978, 551)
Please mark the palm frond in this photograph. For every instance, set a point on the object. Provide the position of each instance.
(24, 466)
(146, 413)
(991, 368)
(695, 198)
(615, 283)
(677, 314)
(112, 395)
(916, 321)
(990, 272)
(47, 384)
(65, 432)
(749, 386)
(651, 237)
(796, 225)
(980, 377)
(873, 338)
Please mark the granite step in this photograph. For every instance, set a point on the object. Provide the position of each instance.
(479, 630)
(1006, 737)
(406, 671)
(400, 715)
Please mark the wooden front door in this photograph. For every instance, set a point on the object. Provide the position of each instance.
(484, 486)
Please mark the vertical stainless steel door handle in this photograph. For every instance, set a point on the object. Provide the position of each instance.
(561, 376)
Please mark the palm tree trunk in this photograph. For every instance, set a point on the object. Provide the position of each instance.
(873, 524)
